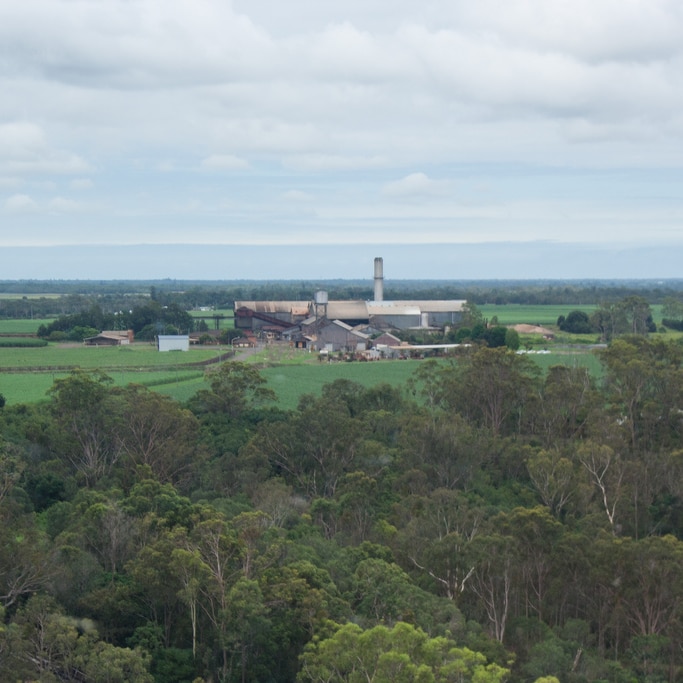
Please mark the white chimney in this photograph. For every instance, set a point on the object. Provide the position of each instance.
(379, 279)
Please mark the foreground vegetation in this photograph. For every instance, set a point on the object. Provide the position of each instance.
(489, 517)
(481, 520)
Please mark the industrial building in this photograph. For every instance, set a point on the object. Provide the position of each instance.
(173, 342)
(308, 324)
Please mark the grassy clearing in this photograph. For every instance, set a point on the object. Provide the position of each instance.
(141, 356)
(581, 359)
(297, 374)
(225, 323)
(32, 387)
(22, 325)
(514, 314)
(34, 370)
(290, 382)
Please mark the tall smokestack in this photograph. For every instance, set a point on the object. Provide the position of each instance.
(379, 279)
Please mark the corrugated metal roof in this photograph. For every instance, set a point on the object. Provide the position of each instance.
(393, 308)
(356, 310)
(347, 310)
(350, 329)
(443, 306)
(272, 306)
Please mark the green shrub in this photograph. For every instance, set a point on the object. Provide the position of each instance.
(21, 342)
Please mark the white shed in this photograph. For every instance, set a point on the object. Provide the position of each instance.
(173, 342)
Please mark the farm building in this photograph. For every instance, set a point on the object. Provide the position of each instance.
(274, 319)
(173, 342)
(110, 338)
(334, 335)
(386, 339)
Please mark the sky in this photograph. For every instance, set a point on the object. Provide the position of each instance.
(256, 139)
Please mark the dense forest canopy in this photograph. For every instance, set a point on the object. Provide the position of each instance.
(485, 522)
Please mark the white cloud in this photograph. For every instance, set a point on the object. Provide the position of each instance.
(416, 185)
(25, 149)
(345, 98)
(63, 205)
(297, 196)
(332, 162)
(223, 162)
(81, 184)
(20, 203)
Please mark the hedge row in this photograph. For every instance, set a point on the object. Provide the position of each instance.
(21, 342)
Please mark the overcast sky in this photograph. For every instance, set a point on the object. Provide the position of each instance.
(496, 124)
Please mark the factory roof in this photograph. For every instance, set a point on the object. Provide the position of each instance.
(347, 310)
(294, 307)
(392, 308)
(436, 306)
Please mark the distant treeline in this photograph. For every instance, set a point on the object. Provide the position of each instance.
(114, 296)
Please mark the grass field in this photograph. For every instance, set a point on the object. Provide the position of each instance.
(32, 387)
(513, 314)
(22, 325)
(30, 326)
(26, 374)
(290, 374)
(135, 356)
(291, 381)
(225, 323)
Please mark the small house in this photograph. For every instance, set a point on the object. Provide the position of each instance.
(110, 338)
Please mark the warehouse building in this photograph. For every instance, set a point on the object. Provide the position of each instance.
(273, 319)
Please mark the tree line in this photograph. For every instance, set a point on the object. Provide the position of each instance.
(112, 297)
(485, 522)
(147, 320)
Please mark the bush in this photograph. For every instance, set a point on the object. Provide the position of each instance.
(80, 333)
(577, 322)
(512, 339)
(21, 343)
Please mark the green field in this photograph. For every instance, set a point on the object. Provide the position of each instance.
(290, 382)
(32, 387)
(227, 322)
(513, 314)
(289, 373)
(136, 356)
(22, 325)
(26, 374)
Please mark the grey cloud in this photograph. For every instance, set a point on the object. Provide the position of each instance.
(361, 104)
